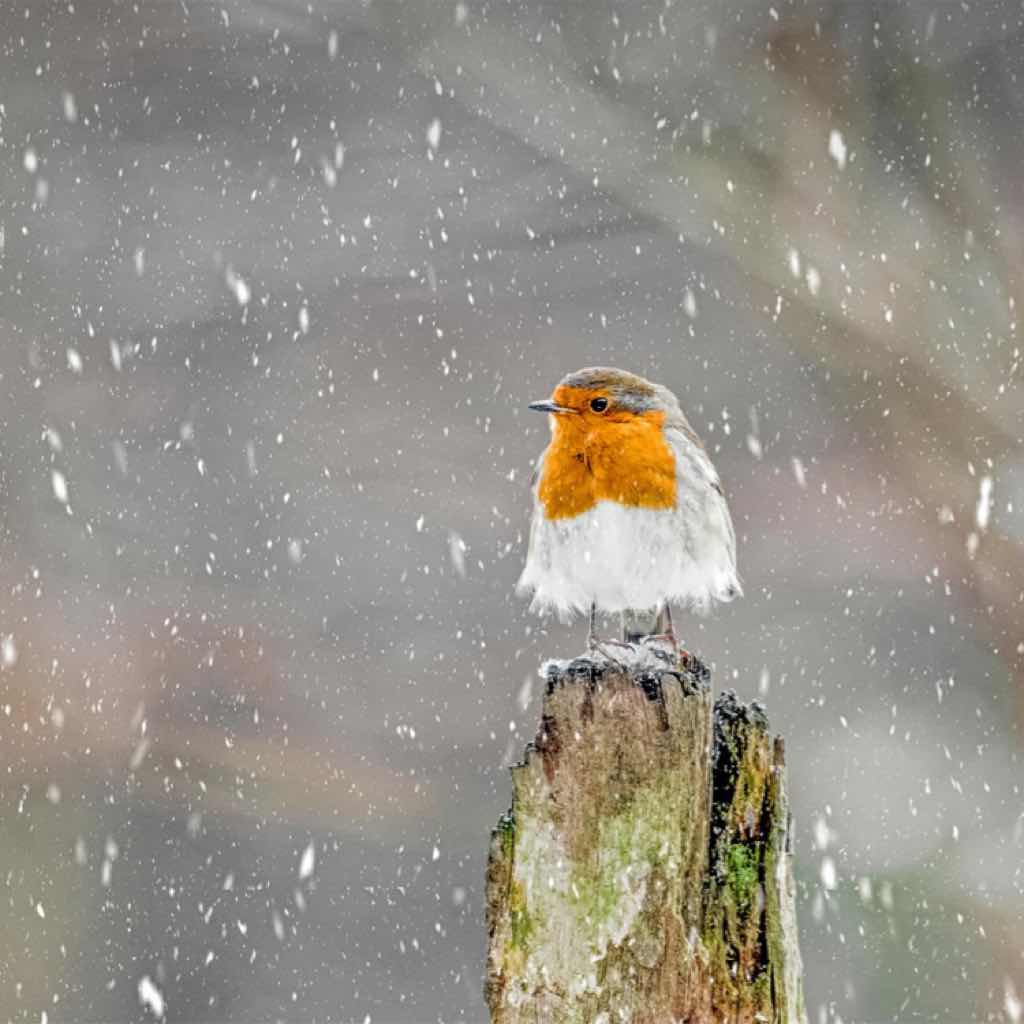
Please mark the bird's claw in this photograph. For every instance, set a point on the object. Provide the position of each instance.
(687, 661)
(596, 646)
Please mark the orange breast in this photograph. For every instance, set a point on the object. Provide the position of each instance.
(627, 460)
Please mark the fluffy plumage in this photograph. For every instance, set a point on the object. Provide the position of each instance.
(629, 513)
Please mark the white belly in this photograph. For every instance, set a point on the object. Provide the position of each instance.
(626, 558)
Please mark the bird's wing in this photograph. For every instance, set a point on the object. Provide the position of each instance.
(704, 518)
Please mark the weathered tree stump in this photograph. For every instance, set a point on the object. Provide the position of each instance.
(643, 872)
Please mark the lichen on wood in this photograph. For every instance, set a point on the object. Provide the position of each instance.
(643, 872)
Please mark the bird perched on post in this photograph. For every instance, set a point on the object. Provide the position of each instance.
(629, 514)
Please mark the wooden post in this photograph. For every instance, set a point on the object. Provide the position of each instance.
(643, 872)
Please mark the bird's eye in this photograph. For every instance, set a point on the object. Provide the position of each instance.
(599, 404)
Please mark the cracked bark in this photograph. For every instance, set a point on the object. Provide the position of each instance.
(643, 873)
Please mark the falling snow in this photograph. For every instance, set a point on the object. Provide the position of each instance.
(60, 486)
(308, 862)
(434, 134)
(151, 997)
(279, 282)
(837, 148)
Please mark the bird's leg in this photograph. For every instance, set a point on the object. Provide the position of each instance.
(596, 644)
(663, 622)
(669, 629)
(682, 656)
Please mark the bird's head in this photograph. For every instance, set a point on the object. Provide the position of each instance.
(589, 398)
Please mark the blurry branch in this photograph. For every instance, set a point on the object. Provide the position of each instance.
(894, 274)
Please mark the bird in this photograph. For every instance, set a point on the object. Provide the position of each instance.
(629, 514)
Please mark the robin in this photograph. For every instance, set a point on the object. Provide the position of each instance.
(629, 514)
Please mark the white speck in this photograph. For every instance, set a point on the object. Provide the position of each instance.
(764, 681)
(151, 997)
(837, 148)
(140, 261)
(60, 486)
(885, 895)
(828, 872)
(53, 439)
(115, 355)
(525, 693)
(332, 44)
(799, 472)
(120, 457)
(30, 160)
(822, 834)
(40, 911)
(275, 920)
(74, 360)
(8, 652)
(308, 862)
(295, 551)
(754, 446)
(794, 263)
(434, 134)
(436, 855)
(461, 13)
(239, 287)
(813, 280)
(139, 754)
(984, 508)
(690, 304)
(304, 319)
(1011, 1003)
(70, 107)
(457, 551)
(419, 524)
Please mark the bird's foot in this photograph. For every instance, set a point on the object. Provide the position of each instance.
(598, 646)
(690, 662)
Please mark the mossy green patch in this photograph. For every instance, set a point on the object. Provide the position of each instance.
(628, 846)
(521, 923)
(741, 875)
(507, 830)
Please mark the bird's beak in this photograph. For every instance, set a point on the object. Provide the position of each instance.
(548, 406)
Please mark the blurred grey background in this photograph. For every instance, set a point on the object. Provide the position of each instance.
(277, 280)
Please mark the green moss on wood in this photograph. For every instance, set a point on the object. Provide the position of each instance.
(521, 922)
(741, 876)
